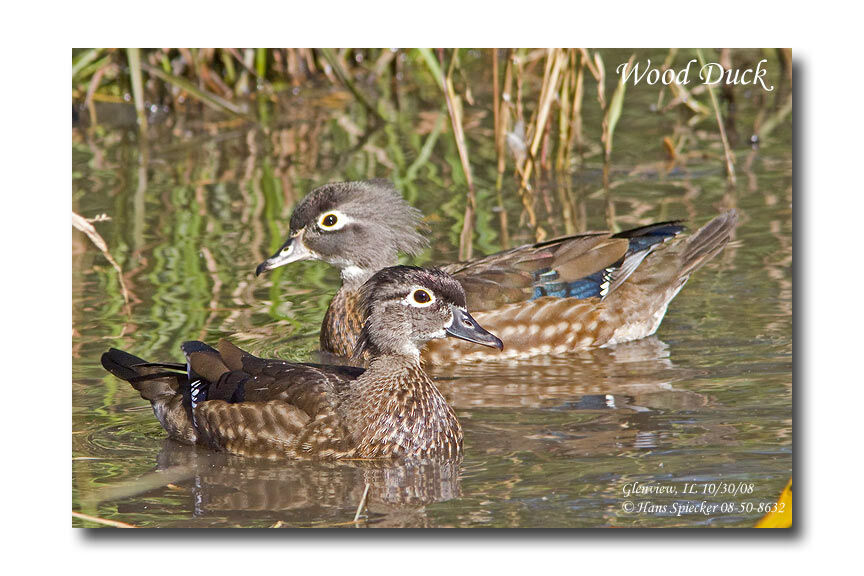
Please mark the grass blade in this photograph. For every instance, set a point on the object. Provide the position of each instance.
(727, 151)
(87, 228)
(134, 57)
(103, 521)
(613, 112)
(208, 98)
(454, 108)
(348, 82)
(432, 63)
(83, 59)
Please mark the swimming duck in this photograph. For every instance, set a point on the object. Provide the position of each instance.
(566, 294)
(232, 401)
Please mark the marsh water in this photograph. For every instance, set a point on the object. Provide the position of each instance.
(560, 441)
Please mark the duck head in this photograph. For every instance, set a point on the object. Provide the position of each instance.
(404, 307)
(359, 227)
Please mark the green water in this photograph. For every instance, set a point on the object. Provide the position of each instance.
(550, 442)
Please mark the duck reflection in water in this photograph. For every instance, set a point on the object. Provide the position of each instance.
(218, 485)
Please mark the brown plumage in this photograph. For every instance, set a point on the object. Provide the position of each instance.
(233, 401)
(342, 323)
(558, 296)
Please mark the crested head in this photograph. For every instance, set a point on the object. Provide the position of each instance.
(404, 307)
(360, 227)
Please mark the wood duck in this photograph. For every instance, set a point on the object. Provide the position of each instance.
(230, 400)
(567, 294)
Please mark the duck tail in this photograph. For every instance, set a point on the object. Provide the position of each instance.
(668, 269)
(636, 309)
(164, 384)
(153, 380)
(707, 242)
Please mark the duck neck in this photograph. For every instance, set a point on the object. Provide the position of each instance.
(354, 276)
(342, 323)
(390, 373)
(343, 319)
(355, 273)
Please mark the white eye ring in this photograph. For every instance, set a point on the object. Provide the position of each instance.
(419, 291)
(341, 220)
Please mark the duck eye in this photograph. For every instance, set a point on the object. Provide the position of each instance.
(419, 297)
(329, 221)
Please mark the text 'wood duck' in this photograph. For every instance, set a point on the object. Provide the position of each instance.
(563, 295)
(230, 400)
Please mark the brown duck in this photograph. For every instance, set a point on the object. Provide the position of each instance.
(230, 400)
(563, 295)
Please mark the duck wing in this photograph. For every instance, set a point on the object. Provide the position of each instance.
(234, 376)
(583, 266)
(267, 408)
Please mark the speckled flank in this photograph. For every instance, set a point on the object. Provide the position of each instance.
(261, 429)
(638, 326)
(175, 418)
(544, 326)
(559, 325)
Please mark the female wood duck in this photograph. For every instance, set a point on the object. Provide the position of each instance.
(230, 400)
(566, 294)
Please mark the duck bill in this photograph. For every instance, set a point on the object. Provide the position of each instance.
(467, 328)
(294, 250)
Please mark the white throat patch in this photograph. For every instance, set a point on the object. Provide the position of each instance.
(352, 272)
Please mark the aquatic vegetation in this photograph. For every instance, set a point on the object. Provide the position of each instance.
(541, 120)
